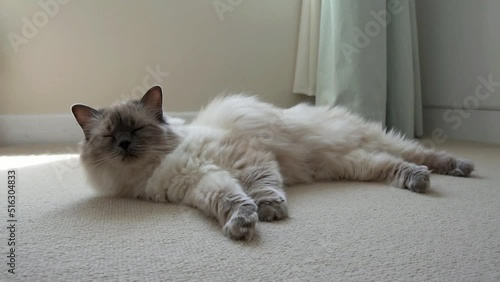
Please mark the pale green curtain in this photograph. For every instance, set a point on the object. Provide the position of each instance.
(368, 61)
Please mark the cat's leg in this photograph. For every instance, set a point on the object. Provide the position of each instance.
(361, 165)
(264, 184)
(410, 150)
(220, 195)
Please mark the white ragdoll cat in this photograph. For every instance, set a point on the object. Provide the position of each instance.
(233, 161)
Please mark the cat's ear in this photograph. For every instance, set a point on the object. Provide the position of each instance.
(153, 99)
(85, 116)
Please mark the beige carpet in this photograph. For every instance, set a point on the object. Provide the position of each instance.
(336, 232)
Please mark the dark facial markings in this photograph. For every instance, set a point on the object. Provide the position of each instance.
(129, 132)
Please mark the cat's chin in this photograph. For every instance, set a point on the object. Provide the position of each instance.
(130, 159)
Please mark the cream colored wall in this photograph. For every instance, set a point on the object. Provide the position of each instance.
(460, 66)
(96, 52)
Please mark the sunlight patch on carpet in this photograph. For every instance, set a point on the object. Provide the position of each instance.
(11, 162)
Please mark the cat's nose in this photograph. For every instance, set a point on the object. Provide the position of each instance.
(124, 144)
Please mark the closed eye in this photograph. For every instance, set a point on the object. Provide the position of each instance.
(109, 136)
(137, 129)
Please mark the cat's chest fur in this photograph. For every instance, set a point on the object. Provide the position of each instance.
(121, 181)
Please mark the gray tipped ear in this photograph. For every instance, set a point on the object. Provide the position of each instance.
(85, 116)
(153, 99)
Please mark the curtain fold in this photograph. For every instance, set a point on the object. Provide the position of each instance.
(307, 49)
(368, 61)
(351, 65)
(404, 97)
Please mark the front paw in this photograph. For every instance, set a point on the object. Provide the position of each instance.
(241, 225)
(270, 209)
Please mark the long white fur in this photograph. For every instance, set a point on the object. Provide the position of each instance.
(238, 153)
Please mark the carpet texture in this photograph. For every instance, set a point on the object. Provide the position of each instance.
(344, 231)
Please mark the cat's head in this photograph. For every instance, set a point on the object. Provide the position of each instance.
(127, 134)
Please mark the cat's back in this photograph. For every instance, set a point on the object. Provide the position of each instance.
(237, 112)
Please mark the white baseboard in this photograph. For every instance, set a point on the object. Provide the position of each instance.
(480, 125)
(55, 128)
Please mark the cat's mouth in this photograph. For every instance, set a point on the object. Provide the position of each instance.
(129, 156)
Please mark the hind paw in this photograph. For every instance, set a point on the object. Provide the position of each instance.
(463, 168)
(419, 180)
(444, 163)
(412, 177)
